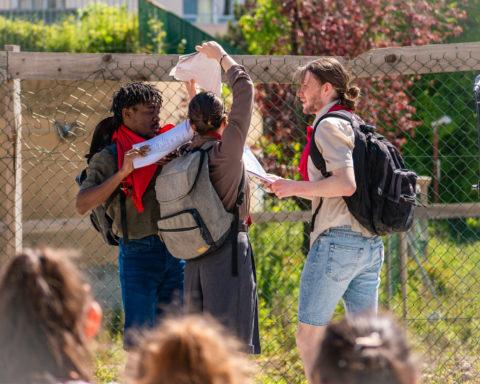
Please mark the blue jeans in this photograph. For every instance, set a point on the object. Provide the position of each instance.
(341, 264)
(151, 279)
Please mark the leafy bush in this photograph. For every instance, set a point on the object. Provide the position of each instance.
(95, 28)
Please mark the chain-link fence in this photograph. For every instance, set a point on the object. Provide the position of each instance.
(420, 97)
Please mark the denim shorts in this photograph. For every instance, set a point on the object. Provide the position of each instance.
(341, 264)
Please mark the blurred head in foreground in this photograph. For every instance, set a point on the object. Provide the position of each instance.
(364, 349)
(190, 350)
(48, 318)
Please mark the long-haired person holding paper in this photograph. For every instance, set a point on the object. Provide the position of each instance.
(219, 274)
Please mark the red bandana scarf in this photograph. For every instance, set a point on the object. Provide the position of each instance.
(136, 183)
(303, 164)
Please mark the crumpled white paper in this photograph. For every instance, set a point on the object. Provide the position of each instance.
(197, 66)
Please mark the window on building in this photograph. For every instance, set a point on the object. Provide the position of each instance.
(190, 7)
(228, 7)
(40, 4)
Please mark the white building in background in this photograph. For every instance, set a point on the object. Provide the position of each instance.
(209, 15)
(59, 5)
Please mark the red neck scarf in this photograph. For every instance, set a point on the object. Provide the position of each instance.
(303, 164)
(165, 128)
(215, 135)
(136, 183)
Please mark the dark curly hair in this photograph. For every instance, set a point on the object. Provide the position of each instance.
(132, 94)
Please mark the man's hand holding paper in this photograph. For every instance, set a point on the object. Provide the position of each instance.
(162, 145)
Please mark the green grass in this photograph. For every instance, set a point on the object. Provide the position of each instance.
(110, 358)
(444, 331)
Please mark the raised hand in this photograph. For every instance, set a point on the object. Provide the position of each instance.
(212, 50)
(191, 87)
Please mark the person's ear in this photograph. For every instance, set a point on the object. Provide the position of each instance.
(126, 115)
(93, 319)
(224, 122)
(327, 87)
(193, 127)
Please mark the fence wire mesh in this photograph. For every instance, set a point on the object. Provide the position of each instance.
(422, 101)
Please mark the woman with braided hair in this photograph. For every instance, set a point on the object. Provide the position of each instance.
(364, 349)
(48, 319)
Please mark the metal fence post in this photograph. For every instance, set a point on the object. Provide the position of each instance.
(423, 183)
(403, 251)
(388, 271)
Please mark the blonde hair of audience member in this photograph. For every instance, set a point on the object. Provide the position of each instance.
(364, 349)
(47, 320)
(190, 350)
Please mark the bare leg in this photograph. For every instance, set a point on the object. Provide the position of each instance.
(308, 343)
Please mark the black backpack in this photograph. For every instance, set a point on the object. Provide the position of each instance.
(101, 221)
(384, 200)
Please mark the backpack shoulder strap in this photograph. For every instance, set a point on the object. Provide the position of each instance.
(241, 189)
(333, 114)
(316, 156)
(236, 222)
(204, 149)
(208, 145)
(112, 149)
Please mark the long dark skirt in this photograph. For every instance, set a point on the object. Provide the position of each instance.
(210, 287)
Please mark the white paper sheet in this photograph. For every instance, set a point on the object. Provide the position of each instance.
(163, 144)
(254, 168)
(197, 66)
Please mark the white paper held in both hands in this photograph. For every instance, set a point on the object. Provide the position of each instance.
(197, 66)
(162, 145)
(254, 168)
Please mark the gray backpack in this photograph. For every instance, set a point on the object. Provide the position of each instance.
(193, 220)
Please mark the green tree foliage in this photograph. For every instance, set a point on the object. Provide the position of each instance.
(340, 29)
(320, 27)
(234, 35)
(450, 94)
(266, 29)
(95, 28)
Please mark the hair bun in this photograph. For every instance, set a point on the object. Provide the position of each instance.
(353, 92)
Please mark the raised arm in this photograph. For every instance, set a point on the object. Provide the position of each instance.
(239, 118)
